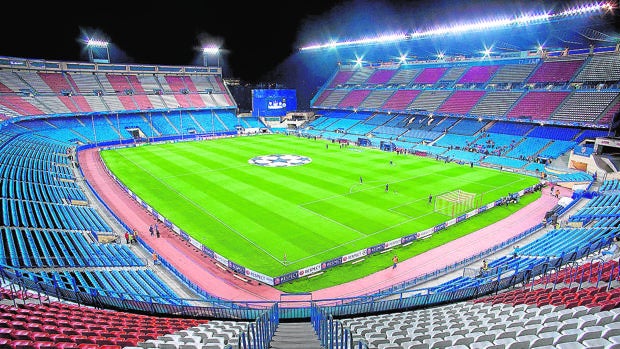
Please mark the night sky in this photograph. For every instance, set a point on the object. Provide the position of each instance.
(255, 36)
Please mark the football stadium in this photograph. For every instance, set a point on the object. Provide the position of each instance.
(419, 189)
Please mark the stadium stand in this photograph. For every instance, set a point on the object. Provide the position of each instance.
(63, 259)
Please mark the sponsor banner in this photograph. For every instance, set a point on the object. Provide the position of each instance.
(439, 227)
(149, 208)
(374, 249)
(236, 267)
(259, 277)
(498, 202)
(309, 270)
(471, 213)
(424, 233)
(195, 243)
(408, 238)
(181, 233)
(331, 263)
(220, 258)
(482, 209)
(354, 255)
(209, 252)
(461, 218)
(450, 222)
(392, 243)
(286, 278)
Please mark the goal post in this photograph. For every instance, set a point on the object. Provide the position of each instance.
(456, 202)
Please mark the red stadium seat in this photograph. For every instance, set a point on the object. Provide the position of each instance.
(20, 334)
(34, 327)
(66, 345)
(88, 346)
(79, 339)
(89, 333)
(606, 305)
(19, 325)
(45, 345)
(59, 337)
(50, 329)
(6, 316)
(105, 341)
(69, 331)
(5, 332)
(111, 346)
(40, 336)
(23, 344)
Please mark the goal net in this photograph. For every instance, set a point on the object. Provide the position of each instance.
(455, 202)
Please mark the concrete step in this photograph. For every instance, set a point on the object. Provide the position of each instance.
(295, 335)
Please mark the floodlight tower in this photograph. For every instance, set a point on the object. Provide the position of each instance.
(208, 51)
(98, 51)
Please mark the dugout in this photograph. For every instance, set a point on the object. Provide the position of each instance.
(363, 142)
(387, 146)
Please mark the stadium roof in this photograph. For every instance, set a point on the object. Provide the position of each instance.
(553, 29)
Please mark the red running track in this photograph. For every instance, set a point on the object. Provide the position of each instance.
(203, 271)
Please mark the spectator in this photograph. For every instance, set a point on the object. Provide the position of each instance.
(394, 261)
(613, 249)
(484, 268)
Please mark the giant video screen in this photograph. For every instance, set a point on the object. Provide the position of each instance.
(273, 102)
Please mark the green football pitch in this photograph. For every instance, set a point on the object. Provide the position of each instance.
(276, 219)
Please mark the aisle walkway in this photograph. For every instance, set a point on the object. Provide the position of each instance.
(204, 272)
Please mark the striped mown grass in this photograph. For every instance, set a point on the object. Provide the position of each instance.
(278, 219)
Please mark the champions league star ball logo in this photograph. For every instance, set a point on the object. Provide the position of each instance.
(279, 160)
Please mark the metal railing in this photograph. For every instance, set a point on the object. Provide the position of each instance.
(260, 332)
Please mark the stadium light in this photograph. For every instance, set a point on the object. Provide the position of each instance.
(209, 51)
(523, 19)
(98, 51)
(487, 52)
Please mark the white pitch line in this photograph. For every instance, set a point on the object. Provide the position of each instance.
(200, 208)
(332, 220)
